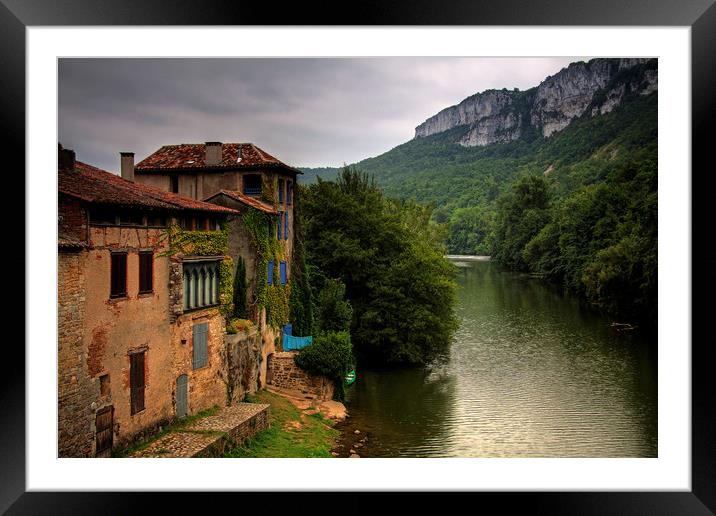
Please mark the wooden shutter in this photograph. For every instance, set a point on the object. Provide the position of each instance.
(285, 225)
(269, 275)
(136, 374)
(118, 274)
(145, 272)
(279, 224)
(200, 333)
(282, 271)
(182, 398)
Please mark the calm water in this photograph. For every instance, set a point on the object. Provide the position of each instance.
(531, 374)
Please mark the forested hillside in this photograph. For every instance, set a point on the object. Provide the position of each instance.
(578, 207)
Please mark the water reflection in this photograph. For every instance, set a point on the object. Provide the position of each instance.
(531, 373)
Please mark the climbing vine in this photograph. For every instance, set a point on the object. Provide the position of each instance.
(275, 297)
(206, 243)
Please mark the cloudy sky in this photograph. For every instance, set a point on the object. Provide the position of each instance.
(306, 112)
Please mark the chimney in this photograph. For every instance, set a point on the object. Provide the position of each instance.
(65, 158)
(213, 153)
(127, 165)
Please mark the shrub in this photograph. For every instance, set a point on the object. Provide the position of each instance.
(331, 355)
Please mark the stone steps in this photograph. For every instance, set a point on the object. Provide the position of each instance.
(211, 436)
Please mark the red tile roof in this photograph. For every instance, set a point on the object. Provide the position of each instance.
(190, 156)
(94, 185)
(246, 200)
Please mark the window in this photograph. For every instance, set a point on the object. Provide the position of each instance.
(136, 378)
(280, 190)
(200, 351)
(174, 184)
(104, 388)
(285, 225)
(201, 284)
(252, 184)
(269, 278)
(103, 216)
(131, 218)
(157, 221)
(119, 275)
(279, 223)
(289, 192)
(282, 271)
(146, 262)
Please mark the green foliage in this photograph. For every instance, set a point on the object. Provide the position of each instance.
(301, 299)
(330, 355)
(274, 298)
(240, 290)
(197, 243)
(602, 242)
(521, 214)
(334, 312)
(389, 256)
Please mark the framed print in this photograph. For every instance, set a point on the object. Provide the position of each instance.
(650, 449)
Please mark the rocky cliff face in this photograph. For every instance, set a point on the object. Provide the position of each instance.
(496, 116)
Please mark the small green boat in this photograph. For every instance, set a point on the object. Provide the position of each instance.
(351, 377)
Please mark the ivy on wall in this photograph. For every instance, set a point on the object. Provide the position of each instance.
(206, 243)
(274, 298)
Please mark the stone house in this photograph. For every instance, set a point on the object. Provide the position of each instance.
(141, 336)
(243, 177)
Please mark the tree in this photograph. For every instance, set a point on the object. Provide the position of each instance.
(389, 256)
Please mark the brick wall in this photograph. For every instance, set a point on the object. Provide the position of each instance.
(71, 219)
(283, 372)
(76, 391)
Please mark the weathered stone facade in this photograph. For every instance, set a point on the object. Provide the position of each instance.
(103, 330)
(241, 372)
(282, 372)
(77, 391)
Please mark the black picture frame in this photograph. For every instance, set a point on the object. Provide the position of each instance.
(700, 15)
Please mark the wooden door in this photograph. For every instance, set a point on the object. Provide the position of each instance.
(104, 421)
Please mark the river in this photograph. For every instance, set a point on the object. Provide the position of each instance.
(531, 373)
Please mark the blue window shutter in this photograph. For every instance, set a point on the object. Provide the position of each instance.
(282, 270)
(270, 273)
(285, 225)
(200, 355)
(278, 225)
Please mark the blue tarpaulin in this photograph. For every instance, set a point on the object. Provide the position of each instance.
(290, 342)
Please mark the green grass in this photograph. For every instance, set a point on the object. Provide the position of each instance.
(177, 425)
(314, 438)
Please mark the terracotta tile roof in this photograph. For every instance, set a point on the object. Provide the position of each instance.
(190, 156)
(246, 200)
(94, 185)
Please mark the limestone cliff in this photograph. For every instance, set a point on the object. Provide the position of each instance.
(499, 116)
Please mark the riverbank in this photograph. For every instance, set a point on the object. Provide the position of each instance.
(298, 429)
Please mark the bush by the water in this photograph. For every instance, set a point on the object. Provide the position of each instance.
(331, 355)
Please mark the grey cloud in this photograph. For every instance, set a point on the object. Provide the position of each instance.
(307, 112)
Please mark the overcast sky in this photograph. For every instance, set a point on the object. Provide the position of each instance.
(305, 112)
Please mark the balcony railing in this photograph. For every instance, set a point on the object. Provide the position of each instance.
(252, 190)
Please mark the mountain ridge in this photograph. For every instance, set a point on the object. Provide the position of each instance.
(501, 116)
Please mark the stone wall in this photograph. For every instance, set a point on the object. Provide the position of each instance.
(241, 367)
(76, 391)
(282, 372)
